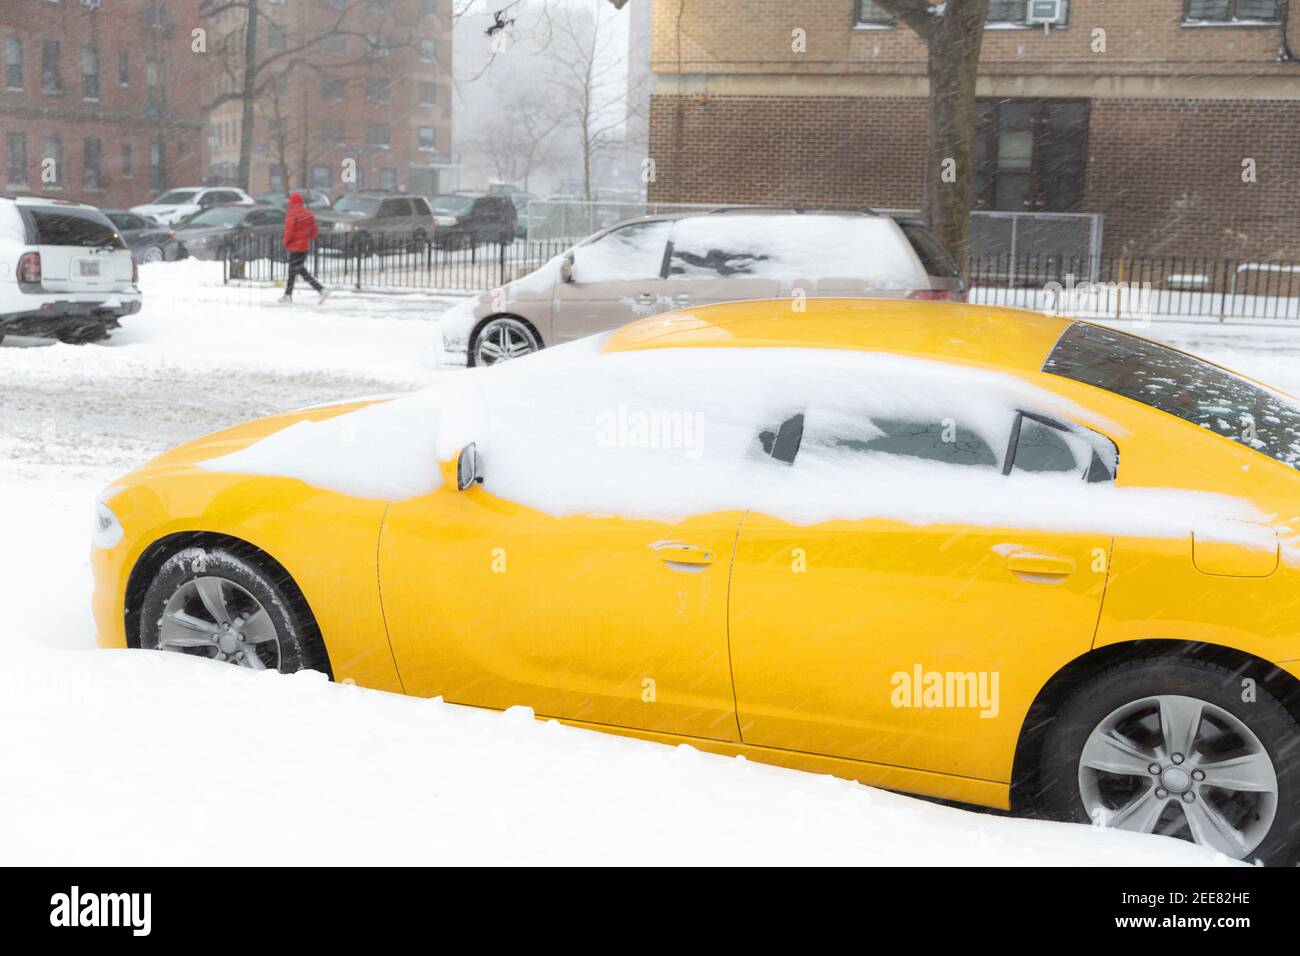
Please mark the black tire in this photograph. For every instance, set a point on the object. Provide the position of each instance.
(300, 644)
(83, 334)
(1059, 791)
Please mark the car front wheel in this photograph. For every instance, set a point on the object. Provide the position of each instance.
(502, 339)
(220, 603)
(1179, 747)
(153, 254)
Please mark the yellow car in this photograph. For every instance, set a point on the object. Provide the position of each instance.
(972, 553)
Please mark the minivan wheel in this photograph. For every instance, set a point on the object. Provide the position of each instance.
(502, 339)
(1178, 747)
(217, 602)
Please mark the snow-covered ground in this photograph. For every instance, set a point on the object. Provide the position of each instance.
(124, 757)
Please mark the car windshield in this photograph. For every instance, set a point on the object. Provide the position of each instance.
(456, 205)
(1182, 385)
(362, 204)
(176, 197)
(219, 216)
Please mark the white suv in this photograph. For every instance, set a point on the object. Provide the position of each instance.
(64, 270)
(176, 204)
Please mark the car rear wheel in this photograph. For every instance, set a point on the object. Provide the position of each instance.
(1178, 747)
(502, 339)
(218, 603)
(153, 254)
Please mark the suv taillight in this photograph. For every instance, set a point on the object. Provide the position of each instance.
(135, 270)
(29, 271)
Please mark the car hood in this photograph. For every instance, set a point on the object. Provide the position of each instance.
(238, 437)
(185, 231)
(332, 216)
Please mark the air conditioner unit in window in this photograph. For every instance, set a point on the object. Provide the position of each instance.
(91, 4)
(1046, 12)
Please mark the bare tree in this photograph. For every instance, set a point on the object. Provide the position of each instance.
(953, 32)
(518, 139)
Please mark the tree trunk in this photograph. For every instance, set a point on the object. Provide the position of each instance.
(249, 93)
(954, 50)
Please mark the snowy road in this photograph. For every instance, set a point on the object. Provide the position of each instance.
(382, 778)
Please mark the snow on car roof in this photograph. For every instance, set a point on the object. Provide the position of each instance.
(1001, 338)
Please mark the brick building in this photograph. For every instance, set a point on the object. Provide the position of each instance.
(1142, 111)
(360, 85)
(91, 105)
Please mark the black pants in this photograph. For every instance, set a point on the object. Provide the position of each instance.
(298, 267)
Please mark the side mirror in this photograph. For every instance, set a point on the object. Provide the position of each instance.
(467, 467)
(566, 268)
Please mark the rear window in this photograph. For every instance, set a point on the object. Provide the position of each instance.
(1183, 386)
(933, 256)
(50, 226)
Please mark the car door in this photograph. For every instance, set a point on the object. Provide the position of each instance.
(614, 279)
(577, 613)
(394, 218)
(265, 228)
(918, 637)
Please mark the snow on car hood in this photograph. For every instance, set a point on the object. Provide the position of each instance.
(669, 433)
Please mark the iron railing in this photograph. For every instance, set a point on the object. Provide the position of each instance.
(1155, 287)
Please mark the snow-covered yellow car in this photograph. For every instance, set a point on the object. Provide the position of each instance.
(973, 553)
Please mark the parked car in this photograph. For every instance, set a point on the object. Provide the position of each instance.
(224, 232)
(1010, 589)
(366, 221)
(64, 270)
(658, 263)
(472, 219)
(521, 201)
(175, 205)
(148, 240)
(314, 199)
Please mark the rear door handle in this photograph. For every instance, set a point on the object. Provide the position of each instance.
(680, 556)
(682, 298)
(1030, 565)
(645, 298)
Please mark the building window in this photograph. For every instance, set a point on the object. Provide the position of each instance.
(91, 162)
(157, 91)
(89, 73)
(336, 44)
(429, 51)
(277, 178)
(428, 93)
(124, 68)
(276, 39)
(428, 7)
(128, 166)
(377, 136)
(13, 63)
(157, 165)
(331, 89)
(16, 159)
(52, 160)
(1006, 11)
(51, 74)
(388, 179)
(380, 6)
(376, 90)
(428, 138)
(331, 135)
(1248, 12)
(872, 14)
(320, 177)
(1030, 154)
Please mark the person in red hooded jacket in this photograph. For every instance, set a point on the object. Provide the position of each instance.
(299, 230)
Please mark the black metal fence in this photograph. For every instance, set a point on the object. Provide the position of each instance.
(395, 262)
(1162, 287)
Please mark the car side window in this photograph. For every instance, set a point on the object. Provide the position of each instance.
(840, 434)
(703, 250)
(630, 253)
(1042, 446)
(393, 209)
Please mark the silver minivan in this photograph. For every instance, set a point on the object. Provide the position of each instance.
(660, 263)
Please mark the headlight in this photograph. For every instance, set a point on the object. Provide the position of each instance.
(342, 227)
(445, 221)
(108, 530)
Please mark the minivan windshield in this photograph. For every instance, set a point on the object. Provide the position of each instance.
(457, 205)
(367, 205)
(176, 197)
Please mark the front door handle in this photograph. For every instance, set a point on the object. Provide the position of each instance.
(683, 298)
(1029, 565)
(680, 556)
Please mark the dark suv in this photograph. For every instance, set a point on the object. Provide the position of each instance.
(366, 221)
(467, 219)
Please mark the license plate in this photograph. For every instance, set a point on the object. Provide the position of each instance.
(89, 269)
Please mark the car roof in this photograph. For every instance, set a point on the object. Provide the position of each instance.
(34, 199)
(1013, 339)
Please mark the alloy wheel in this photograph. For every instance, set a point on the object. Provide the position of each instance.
(502, 340)
(214, 617)
(1183, 767)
